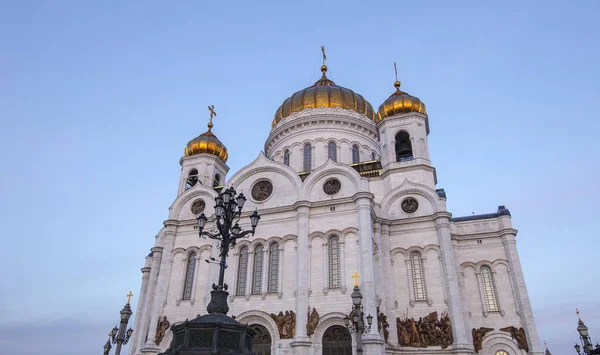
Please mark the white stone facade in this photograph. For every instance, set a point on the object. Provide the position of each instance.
(376, 238)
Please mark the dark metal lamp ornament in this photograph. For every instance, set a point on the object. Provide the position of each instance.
(355, 322)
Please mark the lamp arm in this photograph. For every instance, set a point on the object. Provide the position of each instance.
(242, 234)
(210, 235)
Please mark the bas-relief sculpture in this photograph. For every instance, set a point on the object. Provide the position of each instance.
(519, 335)
(427, 331)
(478, 335)
(286, 324)
(312, 321)
(161, 329)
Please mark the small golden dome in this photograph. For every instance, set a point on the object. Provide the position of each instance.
(324, 93)
(207, 142)
(400, 102)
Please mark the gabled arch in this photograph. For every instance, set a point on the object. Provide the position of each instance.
(326, 321)
(409, 188)
(330, 167)
(197, 191)
(262, 318)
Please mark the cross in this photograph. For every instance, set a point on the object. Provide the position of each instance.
(355, 276)
(324, 56)
(577, 310)
(211, 108)
(396, 70)
(129, 295)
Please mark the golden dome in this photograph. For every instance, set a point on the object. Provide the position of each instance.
(324, 93)
(400, 102)
(207, 142)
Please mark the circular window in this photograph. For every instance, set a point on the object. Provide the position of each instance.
(332, 186)
(262, 190)
(410, 205)
(198, 206)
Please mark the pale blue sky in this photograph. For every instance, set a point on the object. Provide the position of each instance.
(99, 98)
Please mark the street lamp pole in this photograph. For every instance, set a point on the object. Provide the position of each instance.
(588, 348)
(120, 336)
(355, 322)
(228, 209)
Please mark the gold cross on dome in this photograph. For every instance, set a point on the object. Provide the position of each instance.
(577, 310)
(355, 276)
(396, 70)
(324, 56)
(129, 295)
(211, 108)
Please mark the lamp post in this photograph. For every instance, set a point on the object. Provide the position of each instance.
(356, 323)
(228, 209)
(586, 341)
(120, 336)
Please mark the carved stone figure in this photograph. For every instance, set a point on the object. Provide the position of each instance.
(383, 325)
(478, 335)
(427, 331)
(262, 190)
(332, 186)
(286, 324)
(161, 329)
(312, 321)
(409, 205)
(519, 335)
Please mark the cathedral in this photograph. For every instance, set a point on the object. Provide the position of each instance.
(343, 190)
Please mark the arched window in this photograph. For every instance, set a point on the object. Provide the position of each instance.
(273, 268)
(192, 179)
(189, 277)
(286, 157)
(489, 289)
(403, 147)
(373, 157)
(257, 270)
(333, 249)
(307, 157)
(332, 151)
(418, 276)
(217, 181)
(242, 274)
(355, 154)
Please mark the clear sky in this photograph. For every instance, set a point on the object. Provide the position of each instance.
(99, 98)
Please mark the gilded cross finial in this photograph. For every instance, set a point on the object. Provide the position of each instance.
(577, 310)
(129, 295)
(324, 55)
(397, 82)
(355, 276)
(211, 108)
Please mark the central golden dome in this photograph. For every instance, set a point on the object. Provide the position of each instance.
(324, 93)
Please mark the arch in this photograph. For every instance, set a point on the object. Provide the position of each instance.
(273, 268)
(403, 146)
(242, 271)
(489, 289)
(262, 318)
(329, 168)
(334, 279)
(337, 340)
(201, 191)
(307, 157)
(286, 157)
(192, 178)
(496, 341)
(326, 321)
(217, 180)
(408, 188)
(332, 150)
(418, 275)
(190, 270)
(355, 154)
(257, 270)
(261, 342)
(287, 238)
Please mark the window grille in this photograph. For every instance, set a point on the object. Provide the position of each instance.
(489, 289)
(332, 151)
(418, 275)
(307, 157)
(334, 262)
(286, 157)
(189, 277)
(257, 271)
(273, 268)
(355, 154)
(242, 272)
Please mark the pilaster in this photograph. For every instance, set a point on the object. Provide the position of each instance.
(141, 301)
(301, 344)
(390, 282)
(142, 331)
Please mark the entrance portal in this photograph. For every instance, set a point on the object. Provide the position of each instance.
(337, 341)
(261, 344)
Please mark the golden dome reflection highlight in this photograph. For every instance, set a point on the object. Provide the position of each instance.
(400, 102)
(207, 142)
(324, 93)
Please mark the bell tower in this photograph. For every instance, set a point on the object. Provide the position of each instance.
(204, 160)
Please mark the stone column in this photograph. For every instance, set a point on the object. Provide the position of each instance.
(326, 267)
(250, 273)
(450, 268)
(372, 342)
(342, 264)
(518, 280)
(265, 273)
(280, 272)
(390, 282)
(140, 306)
(301, 344)
(161, 288)
(142, 330)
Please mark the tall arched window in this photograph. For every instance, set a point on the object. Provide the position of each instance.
(489, 289)
(242, 274)
(307, 157)
(286, 157)
(217, 181)
(192, 179)
(373, 157)
(189, 277)
(257, 270)
(273, 268)
(332, 151)
(403, 147)
(418, 276)
(355, 154)
(333, 249)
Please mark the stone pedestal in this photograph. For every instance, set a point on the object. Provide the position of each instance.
(301, 345)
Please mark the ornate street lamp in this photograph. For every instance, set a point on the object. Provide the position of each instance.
(356, 323)
(120, 336)
(228, 208)
(588, 348)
